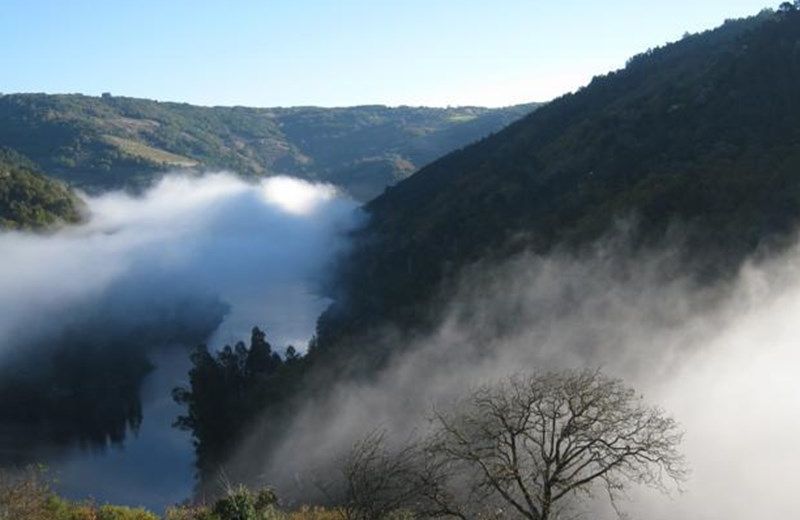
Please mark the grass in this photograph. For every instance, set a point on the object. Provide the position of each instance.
(28, 495)
(461, 118)
(149, 153)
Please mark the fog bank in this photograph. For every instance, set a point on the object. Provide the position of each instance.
(192, 259)
(722, 360)
(257, 248)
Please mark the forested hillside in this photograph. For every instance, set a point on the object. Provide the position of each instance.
(28, 199)
(695, 144)
(698, 140)
(108, 142)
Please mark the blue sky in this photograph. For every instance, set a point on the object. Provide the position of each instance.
(336, 52)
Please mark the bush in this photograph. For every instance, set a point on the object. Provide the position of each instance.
(195, 512)
(109, 512)
(240, 503)
(28, 495)
(315, 513)
(25, 495)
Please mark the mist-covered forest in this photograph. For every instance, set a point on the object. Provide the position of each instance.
(579, 308)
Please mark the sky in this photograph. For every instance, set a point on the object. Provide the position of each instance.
(336, 52)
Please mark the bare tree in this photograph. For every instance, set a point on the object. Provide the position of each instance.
(378, 480)
(530, 443)
(528, 447)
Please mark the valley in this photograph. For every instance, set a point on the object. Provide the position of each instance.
(575, 308)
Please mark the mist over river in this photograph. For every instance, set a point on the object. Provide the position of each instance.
(126, 295)
(99, 320)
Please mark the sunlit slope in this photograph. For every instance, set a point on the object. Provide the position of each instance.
(29, 200)
(110, 141)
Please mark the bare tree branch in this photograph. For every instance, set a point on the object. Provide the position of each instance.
(529, 446)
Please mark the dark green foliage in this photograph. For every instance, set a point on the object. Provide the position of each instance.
(242, 504)
(107, 142)
(227, 393)
(698, 139)
(29, 200)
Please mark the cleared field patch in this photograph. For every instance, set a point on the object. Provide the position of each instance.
(462, 117)
(156, 155)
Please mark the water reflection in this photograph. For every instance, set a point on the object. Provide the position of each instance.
(154, 466)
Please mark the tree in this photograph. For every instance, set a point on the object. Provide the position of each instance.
(527, 447)
(291, 354)
(260, 357)
(531, 443)
(377, 481)
(226, 392)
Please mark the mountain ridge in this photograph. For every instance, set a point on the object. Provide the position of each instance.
(99, 143)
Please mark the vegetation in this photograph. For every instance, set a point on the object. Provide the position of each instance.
(790, 7)
(698, 139)
(695, 142)
(29, 495)
(109, 142)
(240, 503)
(226, 393)
(531, 445)
(29, 200)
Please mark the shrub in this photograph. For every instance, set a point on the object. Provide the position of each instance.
(315, 513)
(28, 495)
(25, 495)
(109, 512)
(194, 512)
(240, 503)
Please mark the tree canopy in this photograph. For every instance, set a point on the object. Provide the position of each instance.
(29, 200)
(229, 391)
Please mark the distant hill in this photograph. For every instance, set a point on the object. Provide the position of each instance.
(97, 143)
(699, 138)
(29, 200)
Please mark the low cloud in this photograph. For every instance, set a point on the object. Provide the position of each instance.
(188, 244)
(721, 359)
